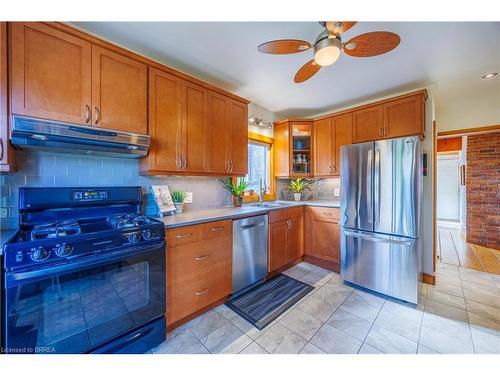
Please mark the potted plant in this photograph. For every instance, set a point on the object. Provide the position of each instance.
(298, 185)
(178, 199)
(236, 188)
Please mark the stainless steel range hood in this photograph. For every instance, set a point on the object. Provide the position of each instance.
(32, 133)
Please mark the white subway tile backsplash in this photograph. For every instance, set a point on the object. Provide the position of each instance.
(47, 169)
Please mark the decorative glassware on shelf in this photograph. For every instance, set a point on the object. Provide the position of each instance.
(301, 149)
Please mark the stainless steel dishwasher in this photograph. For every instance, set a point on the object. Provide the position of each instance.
(249, 251)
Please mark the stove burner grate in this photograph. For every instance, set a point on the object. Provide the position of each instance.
(55, 230)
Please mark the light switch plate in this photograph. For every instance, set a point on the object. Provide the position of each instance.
(336, 192)
(189, 197)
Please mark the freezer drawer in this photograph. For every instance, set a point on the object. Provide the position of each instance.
(385, 264)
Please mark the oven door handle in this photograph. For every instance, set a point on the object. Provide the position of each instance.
(16, 278)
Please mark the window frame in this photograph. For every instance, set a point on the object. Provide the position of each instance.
(255, 137)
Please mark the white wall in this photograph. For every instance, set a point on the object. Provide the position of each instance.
(263, 113)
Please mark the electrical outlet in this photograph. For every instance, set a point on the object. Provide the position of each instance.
(4, 212)
(336, 192)
(189, 197)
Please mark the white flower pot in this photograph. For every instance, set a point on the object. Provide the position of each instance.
(297, 196)
(178, 207)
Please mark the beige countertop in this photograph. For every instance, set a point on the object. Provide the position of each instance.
(203, 216)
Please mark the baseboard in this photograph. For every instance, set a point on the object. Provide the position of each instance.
(332, 266)
(428, 279)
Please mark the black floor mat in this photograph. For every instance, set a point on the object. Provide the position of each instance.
(264, 303)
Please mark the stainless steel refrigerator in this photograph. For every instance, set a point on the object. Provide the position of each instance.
(381, 188)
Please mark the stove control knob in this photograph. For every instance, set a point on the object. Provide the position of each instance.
(147, 235)
(40, 254)
(134, 237)
(64, 250)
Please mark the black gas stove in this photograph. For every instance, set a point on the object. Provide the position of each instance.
(86, 250)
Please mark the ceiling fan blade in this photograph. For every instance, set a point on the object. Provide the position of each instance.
(284, 46)
(332, 27)
(372, 44)
(307, 70)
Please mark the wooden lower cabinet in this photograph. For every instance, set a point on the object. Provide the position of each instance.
(322, 239)
(199, 267)
(286, 237)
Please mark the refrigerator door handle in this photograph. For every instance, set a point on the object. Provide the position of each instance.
(375, 238)
(369, 187)
(376, 187)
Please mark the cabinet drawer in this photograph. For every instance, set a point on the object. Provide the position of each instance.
(285, 214)
(217, 229)
(325, 213)
(194, 260)
(187, 298)
(184, 235)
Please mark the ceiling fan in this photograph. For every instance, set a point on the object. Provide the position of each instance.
(328, 46)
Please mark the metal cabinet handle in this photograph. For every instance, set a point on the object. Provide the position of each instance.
(203, 257)
(288, 225)
(334, 169)
(184, 162)
(178, 164)
(217, 229)
(327, 213)
(381, 132)
(202, 292)
(230, 166)
(87, 113)
(1, 148)
(184, 235)
(97, 115)
(330, 169)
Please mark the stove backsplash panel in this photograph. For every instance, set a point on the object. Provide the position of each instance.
(46, 169)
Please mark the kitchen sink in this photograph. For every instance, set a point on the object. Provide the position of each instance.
(272, 204)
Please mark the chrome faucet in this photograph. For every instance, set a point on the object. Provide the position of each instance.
(262, 191)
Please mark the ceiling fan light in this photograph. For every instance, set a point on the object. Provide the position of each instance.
(327, 51)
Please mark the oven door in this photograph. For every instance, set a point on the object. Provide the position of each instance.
(76, 307)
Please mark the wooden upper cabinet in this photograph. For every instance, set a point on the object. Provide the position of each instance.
(165, 123)
(404, 116)
(323, 146)
(367, 124)
(119, 92)
(220, 134)
(238, 122)
(342, 135)
(51, 73)
(195, 139)
(281, 149)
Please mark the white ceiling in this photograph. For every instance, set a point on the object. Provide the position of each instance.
(450, 55)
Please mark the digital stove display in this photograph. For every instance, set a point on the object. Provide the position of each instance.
(89, 195)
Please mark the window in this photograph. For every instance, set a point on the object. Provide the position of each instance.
(259, 165)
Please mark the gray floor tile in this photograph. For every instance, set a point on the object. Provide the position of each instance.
(368, 349)
(484, 298)
(320, 306)
(226, 312)
(226, 339)
(364, 305)
(311, 349)
(280, 340)
(389, 342)
(205, 324)
(249, 329)
(446, 311)
(301, 323)
(253, 348)
(349, 323)
(447, 299)
(470, 286)
(176, 342)
(443, 287)
(399, 323)
(422, 349)
(485, 341)
(441, 342)
(487, 311)
(450, 327)
(331, 340)
(197, 348)
(486, 324)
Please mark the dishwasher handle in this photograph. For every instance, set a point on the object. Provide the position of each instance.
(249, 226)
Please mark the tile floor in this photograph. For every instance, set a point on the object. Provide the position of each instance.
(461, 314)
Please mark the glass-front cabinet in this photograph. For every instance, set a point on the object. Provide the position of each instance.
(293, 144)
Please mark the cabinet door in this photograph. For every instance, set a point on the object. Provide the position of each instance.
(323, 146)
(278, 232)
(50, 72)
(367, 124)
(282, 150)
(218, 120)
(404, 117)
(195, 140)
(165, 125)
(119, 92)
(342, 129)
(324, 239)
(238, 122)
(295, 238)
(5, 157)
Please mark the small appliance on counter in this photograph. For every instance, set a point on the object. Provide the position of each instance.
(85, 273)
(380, 216)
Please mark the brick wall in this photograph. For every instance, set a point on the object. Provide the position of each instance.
(46, 169)
(483, 190)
